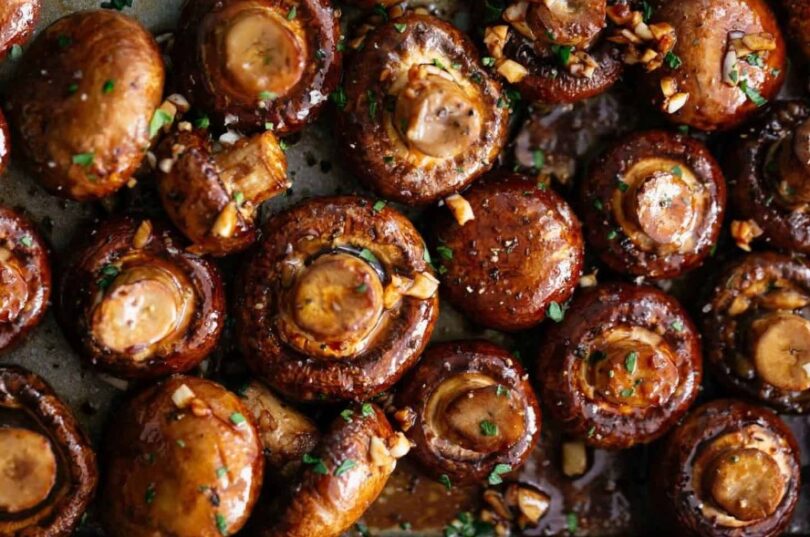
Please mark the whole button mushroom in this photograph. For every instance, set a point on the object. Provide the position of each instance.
(83, 100)
(17, 21)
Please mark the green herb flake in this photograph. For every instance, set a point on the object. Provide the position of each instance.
(373, 106)
(118, 5)
(612, 234)
(621, 185)
(571, 520)
(221, 472)
(222, 524)
(502, 391)
(677, 325)
(369, 256)
(362, 529)
(267, 96)
(400, 27)
(16, 53)
(754, 60)
(27, 241)
(683, 129)
(181, 443)
(488, 428)
(677, 171)
(426, 255)
(160, 119)
(753, 95)
(563, 53)
(672, 60)
(627, 392)
(538, 159)
(339, 97)
(237, 418)
(283, 145)
(344, 467)
(445, 480)
(347, 413)
(379, 205)
(488, 61)
(107, 274)
(149, 497)
(269, 126)
(499, 470)
(445, 252)
(317, 464)
(63, 41)
(320, 54)
(238, 198)
(108, 87)
(438, 63)
(292, 13)
(72, 88)
(362, 288)
(591, 431)
(597, 204)
(630, 362)
(555, 312)
(202, 122)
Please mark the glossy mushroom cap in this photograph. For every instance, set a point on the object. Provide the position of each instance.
(422, 118)
(183, 458)
(622, 367)
(25, 277)
(17, 21)
(758, 332)
(732, 61)
(468, 407)
(520, 252)
(47, 467)
(259, 61)
(84, 139)
(654, 203)
(730, 467)
(136, 305)
(574, 23)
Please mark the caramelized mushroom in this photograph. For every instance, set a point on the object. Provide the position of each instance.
(653, 205)
(471, 412)
(17, 21)
(769, 169)
(342, 477)
(338, 301)
(729, 60)
(520, 255)
(25, 277)
(83, 100)
(730, 469)
(757, 330)
(47, 468)
(421, 119)
(798, 12)
(137, 306)
(214, 197)
(183, 458)
(554, 49)
(623, 366)
(259, 62)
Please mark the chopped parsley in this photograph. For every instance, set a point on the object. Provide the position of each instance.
(202, 122)
(266, 96)
(672, 60)
(222, 524)
(571, 521)
(27, 241)
(379, 205)
(373, 105)
(367, 410)
(160, 119)
(627, 392)
(502, 391)
(563, 53)
(555, 312)
(292, 13)
(369, 256)
(621, 185)
(630, 362)
(344, 467)
(237, 418)
(755, 60)
(221, 472)
(362, 288)
(16, 52)
(238, 198)
(488, 428)
(347, 413)
(149, 497)
(538, 159)
(488, 61)
(445, 252)
(400, 27)
(108, 86)
(677, 325)
(445, 480)
(753, 95)
(317, 464)
(339, 97)
(107, 275)
(677, 171)
(495, 476)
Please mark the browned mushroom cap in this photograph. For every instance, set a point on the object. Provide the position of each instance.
(342, 477)
(769, 169)
(730, 469)
(757, 330)
(622, 367)
(134, 304)
(798, 12)
(421, 119)
(729, 60)
(47, 468)
(470, 411)
(259, 61)
(520, 253)
(338, 301)
(183, 458)
(83, 100)
(17, 21)
(25, 277)
(213, 197)
(653, 205)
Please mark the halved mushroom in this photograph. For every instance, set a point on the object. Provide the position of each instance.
(184, 458)
(17, 21)
(47, 468)
(136, 305)
(622, 367)
(213, 197)
(83, 101)
(254, 62)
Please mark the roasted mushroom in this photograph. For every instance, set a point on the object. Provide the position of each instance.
(510, 251)
(421, 118)
(183, 458)
(653, 204)
(623, 366)
(470, 411)
(730, 469)
(48, 470)
(134, 304)
(83, 101)
(553, 50)
(17, 21)
(342, 477)
(338, 301)
(259, 63)
(213, 197)
(769, 170)
(25, 277)
(798, 12)
(757, 330)
(729, 60)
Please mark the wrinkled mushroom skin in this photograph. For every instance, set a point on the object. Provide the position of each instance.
(214, 197)
(183, 458)
(325, 504)
(84, 141)
(134, 304)
(259, 61)
(522, 251)
(729, 469)
(17, 21)
(798, 12)
(473, 408)
(622, 367)
(758, 330)
(653, 204)
(25, 277)
(769, 170)
(337, 301)
(702, 28)
(49, 470)
(422, 117)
